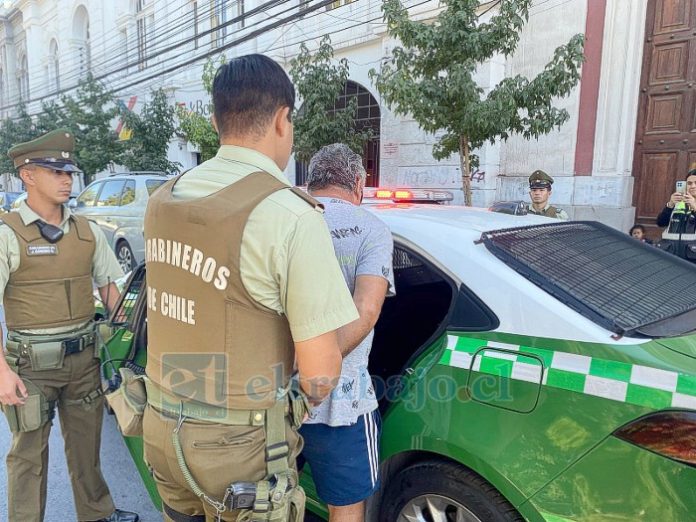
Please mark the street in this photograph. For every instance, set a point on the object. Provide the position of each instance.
(117, 466)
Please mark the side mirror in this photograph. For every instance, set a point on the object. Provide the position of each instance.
(515, 208)
(72, 203)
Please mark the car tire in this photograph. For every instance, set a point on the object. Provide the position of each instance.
(124, 255)
(433, 491)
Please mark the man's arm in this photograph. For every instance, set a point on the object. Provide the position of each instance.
(664, 216)
(368, 297)
(319, 365)
(109, 296)
(10, 382)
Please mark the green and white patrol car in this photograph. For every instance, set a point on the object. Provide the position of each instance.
(527, 369)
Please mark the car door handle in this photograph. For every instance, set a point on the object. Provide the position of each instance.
(108, 219)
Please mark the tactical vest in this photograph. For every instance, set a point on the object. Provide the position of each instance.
(208, 340)
(53, 285)
(548, 212)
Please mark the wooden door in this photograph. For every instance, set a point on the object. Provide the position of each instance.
(666, 129)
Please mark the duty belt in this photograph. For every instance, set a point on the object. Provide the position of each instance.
(19, 345)
(176, 406)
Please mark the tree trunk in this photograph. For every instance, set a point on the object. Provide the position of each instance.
(466, 169)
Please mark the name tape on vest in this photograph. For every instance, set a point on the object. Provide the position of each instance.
(42, 250)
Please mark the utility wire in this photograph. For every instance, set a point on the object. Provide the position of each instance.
(153, 54)
(312, 11)
(358, 23)
(206, 54)
(111, 53)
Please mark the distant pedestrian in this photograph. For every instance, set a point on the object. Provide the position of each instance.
(540, 192)
(638, 232)
(679, 216)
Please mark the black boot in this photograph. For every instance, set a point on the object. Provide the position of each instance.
(120, 516)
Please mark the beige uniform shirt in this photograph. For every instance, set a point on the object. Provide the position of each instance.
(287, 259)
(105, 267)
(560, 213)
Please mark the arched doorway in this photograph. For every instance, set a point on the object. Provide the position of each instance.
(367, 116)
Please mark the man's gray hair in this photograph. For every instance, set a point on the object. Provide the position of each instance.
(335, 165)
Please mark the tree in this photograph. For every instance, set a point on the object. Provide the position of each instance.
(89, 116)
(13, 131)
(196, 127)
(151, 131)
(319, 83)
(431, 77)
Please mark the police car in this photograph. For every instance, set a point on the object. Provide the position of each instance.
(527, 369)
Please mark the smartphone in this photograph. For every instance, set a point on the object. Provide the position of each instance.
(681, 186)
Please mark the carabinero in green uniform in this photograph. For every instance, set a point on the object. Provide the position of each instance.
(243, 287)
(539, 191)
(49, 260)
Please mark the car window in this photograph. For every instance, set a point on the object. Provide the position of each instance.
(110, 195)
(86, 199)
(128, 195)
(621, 284)
(153, 184)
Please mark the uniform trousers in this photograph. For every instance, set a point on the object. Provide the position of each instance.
(27, 460)
(216, 454)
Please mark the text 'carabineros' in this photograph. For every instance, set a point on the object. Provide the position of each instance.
(186, 257)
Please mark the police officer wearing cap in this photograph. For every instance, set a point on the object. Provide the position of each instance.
(243, 287)
(49, 260)
(540, 191)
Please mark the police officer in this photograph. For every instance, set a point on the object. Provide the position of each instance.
(242, 285)
(540, 191)
(49, 259)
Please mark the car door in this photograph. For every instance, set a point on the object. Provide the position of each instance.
(107, 211)
(129, 220)
(84, 203)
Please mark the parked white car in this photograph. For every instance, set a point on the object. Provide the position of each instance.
(117, 204)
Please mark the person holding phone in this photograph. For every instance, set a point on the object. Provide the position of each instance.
(679, 216)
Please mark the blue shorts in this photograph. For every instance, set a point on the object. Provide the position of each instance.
(344, 459)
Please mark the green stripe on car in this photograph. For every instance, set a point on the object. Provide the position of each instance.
(618, 381)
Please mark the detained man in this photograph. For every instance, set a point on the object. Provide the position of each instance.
(342, 434)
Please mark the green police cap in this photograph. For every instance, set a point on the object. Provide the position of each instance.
(540, 179)
(54, 150)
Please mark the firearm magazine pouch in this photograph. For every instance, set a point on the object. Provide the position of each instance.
(48, 355)
(128, 403)
(34, 413)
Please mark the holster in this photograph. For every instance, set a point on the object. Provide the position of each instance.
(34, 413)
(128, 402)
(277, 498)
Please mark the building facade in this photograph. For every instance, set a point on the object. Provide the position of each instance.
(631, 131)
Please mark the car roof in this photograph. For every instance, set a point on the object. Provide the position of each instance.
(449, 235)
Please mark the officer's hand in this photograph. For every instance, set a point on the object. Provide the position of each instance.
(10, 384)
(675, 198)
(690, 200)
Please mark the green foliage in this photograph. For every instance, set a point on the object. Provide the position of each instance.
(88, 115)
(13, 131)
(195, 127)
(431, 77)
(151, 131)
(319, 83)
